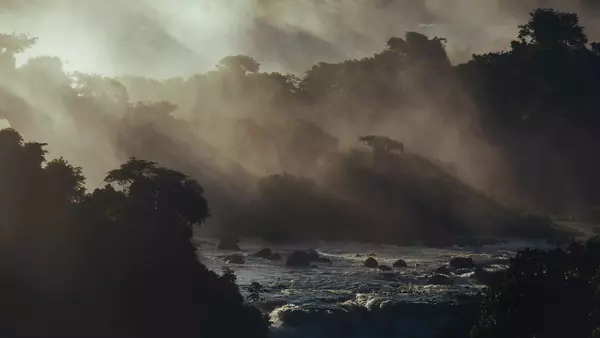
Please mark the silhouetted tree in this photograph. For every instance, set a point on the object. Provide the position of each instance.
(551, 29)
(381, 146)
(240, 64)
(122, 258)
(11, 44)
(545, 294)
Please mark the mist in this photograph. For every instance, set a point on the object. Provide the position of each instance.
(159, 38)
(231, 129)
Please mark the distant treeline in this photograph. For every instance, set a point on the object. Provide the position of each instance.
(525, 119)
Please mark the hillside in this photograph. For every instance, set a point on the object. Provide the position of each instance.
(407, 201)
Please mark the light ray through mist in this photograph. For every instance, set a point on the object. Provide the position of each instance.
(163, 38)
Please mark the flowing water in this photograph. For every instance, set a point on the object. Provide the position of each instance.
(344, 298)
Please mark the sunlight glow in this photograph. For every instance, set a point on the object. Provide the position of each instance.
(4, 124)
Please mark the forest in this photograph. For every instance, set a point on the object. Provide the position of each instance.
(399, 147)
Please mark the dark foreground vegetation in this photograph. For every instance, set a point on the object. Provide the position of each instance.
(116, 262)
(545, 294)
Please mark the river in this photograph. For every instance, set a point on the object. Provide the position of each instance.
(344, 298)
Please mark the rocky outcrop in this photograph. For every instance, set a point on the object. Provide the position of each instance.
(299, 258)
(313, 254)
(444, 270)
(274, 257)
(400, 264)
(462, 263)
(371, 263)
(304, 258)
(440, 280)
(235, 259)
(267, 254)
(228, 243)
(488, 277)
(263, 253)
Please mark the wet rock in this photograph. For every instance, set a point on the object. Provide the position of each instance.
(371, 254)
(487, 277)
(371, 263)
(323, 260)
(313, 254)
(299, 258)
(444, 270)
(462, 271)
(304, 258)
(274, 257)
(263, 253)
(499, 261)
(400, 264)
(385, 268)
(440, 279)
(462, 263)
(235, 259)
(228, 243)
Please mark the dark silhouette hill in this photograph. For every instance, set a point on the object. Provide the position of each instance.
(400, 199)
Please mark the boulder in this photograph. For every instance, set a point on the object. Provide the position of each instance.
(299, 258)
(459, 272)
(400, 264)
(385, 268)
(487, 277)
(462, 263)
(235, 259)
(228, 243)
(274, 257)
(440, 279)
(263, 253)
(323, 260)
(462, 271)
(444, 270)
(313, 254)
(371, 263)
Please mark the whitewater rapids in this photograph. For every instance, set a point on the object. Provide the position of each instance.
(346, 299)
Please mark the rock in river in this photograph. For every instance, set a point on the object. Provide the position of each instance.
(371, 263)
(274, 257)
(228, 243)
(440, 280)
(400, 264)
(299, 258)
(235, 259)
(462, 263)
(263, 253)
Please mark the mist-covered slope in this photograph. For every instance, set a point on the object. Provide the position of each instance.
(409, 199)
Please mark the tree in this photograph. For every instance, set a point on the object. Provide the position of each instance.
(11, 44)
(239, 64)
(551, 29)
(107, 90)
(66, 180)
(382, 143)
(166, 193)
(416, 47)
(545, 294)
(14, 44)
